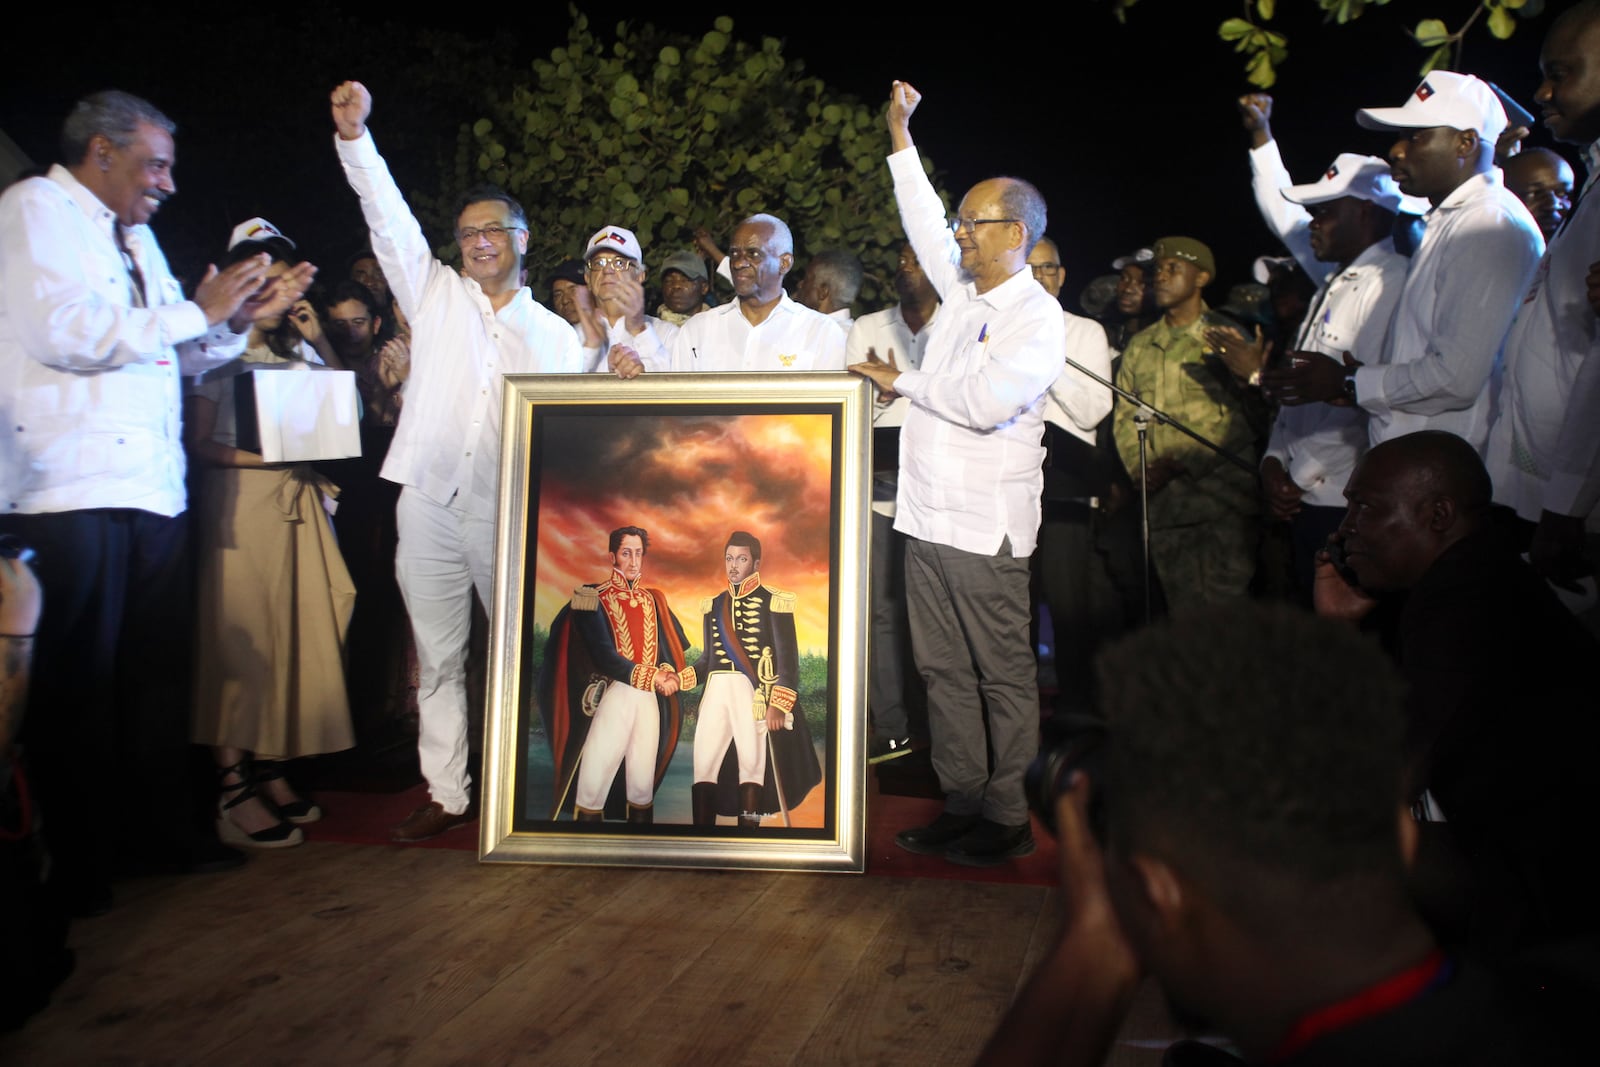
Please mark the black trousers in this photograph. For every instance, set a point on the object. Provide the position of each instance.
(106, 732)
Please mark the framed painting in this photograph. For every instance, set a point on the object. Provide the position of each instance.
(678, 656)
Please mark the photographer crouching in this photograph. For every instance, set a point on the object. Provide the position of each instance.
(1252, 859)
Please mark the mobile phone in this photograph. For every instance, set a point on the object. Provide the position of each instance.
(1336, 554)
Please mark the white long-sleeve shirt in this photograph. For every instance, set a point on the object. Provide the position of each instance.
(1466, 281)
(1544, 447)
(89, 378)
(886, 332)
(447, 443)
(1075, 402)
(791, 337)
(971, 448)
(1319, 444)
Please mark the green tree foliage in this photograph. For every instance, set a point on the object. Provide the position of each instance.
(664, 133)
(1265, 49)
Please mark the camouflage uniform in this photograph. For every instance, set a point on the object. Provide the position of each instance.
(1202, 523)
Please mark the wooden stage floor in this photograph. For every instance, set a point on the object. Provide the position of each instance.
(368, 954)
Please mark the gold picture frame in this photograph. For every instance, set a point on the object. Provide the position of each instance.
(690, 458)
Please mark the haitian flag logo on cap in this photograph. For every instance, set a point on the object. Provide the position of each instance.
(613, 236)
(1333, 172)
(1424, 91)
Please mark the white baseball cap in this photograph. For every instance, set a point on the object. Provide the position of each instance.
(1139, 256)
(1363, 177)
(256, 229)
(1443, 98)
(616, 239)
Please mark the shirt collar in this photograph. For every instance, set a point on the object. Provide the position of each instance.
(899, 316)
(1371, 254)
(1470, 189)
(1013, 290)
(92, 206)
(746, 587)
(1591, 160)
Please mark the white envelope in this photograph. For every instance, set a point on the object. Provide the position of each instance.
(306, 413)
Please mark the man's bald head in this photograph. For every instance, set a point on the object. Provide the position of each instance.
(1411, 498)
(1445, 463)
(1001, 220)
(1542, 180)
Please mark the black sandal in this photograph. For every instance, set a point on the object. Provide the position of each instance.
(281, 835)
(298, 811)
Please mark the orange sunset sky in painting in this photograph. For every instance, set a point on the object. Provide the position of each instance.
(690, 480)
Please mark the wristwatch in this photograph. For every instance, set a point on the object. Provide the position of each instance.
(1350, 385)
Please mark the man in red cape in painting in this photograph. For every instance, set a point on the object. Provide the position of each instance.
(609, 698)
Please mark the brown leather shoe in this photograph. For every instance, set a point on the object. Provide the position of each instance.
(430, 820)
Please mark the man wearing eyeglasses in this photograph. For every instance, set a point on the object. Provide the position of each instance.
(469, 327)
(762, 329)
(634, 342)
(968, 493)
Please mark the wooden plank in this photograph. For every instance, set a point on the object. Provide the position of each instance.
(759, 991)
(592, 987)
(935, 979)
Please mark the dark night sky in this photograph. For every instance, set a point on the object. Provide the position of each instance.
(1130, 131)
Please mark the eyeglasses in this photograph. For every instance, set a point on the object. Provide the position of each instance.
(959, 224)
(493, 232)
(1043, 268)
(610, 265)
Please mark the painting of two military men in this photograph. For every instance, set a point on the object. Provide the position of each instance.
(615, 670)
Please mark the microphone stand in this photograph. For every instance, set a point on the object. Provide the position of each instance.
(1145, 415)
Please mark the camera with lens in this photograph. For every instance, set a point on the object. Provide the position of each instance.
(1068, 742)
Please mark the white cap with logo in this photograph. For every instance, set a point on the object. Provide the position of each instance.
(256, 229)
(1444, 98)
(1363, 177)
(616, 239)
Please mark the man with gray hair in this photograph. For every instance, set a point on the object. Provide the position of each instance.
(762, 329)
(968, 493)
(832, 280)
(631, 341)
(94, 334)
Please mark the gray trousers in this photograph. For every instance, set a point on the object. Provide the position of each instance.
(886, 685)
(969, 633)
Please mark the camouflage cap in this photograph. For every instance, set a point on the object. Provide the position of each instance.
(1186, 248)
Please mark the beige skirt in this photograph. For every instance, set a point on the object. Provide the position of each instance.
(274, 605)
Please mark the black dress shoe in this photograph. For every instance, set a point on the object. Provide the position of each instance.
(988, 843)
(931, 840)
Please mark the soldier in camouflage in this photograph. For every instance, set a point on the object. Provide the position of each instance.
(1202, 507)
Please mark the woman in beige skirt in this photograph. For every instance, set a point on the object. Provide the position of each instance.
(274, 599)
